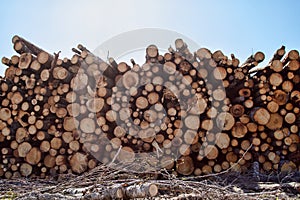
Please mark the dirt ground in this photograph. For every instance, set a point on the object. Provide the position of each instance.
(99, 182)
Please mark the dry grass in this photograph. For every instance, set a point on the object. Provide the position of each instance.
(229, 185)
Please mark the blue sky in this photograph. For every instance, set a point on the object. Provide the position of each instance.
(234, 26)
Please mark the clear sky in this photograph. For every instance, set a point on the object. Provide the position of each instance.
(234, 26)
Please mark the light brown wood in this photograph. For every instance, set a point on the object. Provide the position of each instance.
(79, 82)
(211, 152)
(280, 97)
(25, 169)
(70, 124)
(78, 162)
(237, 110)
(45, 75)
(152, 51)
(259, 56)
(43, 57)
(192, 122)
(56, 143)
(45, 146)
(277, 65)
(225, 121)
(260, 115)
(87, 125)
(185, 165)
(141, 102)
(191, 137)
(126, 155)
(294, 65)
(5, 114)
(23, 149)
(141, 191)
(223, 140)
(119, 132)
(203, 53)
(33, 157)
(16, 98)
(290, 118)
(275, 121)
(60, 73)
(220, 73)
(273, 106)
(239, 130)
(25, 60)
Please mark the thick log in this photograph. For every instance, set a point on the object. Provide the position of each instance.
(23, 149)
(78, 163)
(25, 60)
(192, 122)
(239, 130)
(275, 121)
(225, 121)
(185, 165)
(126, 155)
(260, 115)
(33, 157)
(223, 140)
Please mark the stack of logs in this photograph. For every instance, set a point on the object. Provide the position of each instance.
(194, 113)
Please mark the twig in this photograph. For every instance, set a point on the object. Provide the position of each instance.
(115, 157)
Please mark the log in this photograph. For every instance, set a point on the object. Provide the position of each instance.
(70, 124)
(33, 157)
(225, 121)
(192, 122)
(130, 79)
(292, 55)
(185, 165)
(23, 149)
(25, 60)
(239, 130)
(78, 162)
(276, 65)
(20, 43)
(211, 152)
(237, 110)
(25, 169)
(191, 137)
(126, 155)
(260, 115)
(259, 56)
(87, 125)
(223, 140)
(280, 97)
(141, 191)
(275, 121)
(151, 53)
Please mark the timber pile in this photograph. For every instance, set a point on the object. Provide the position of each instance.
(197, 113)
